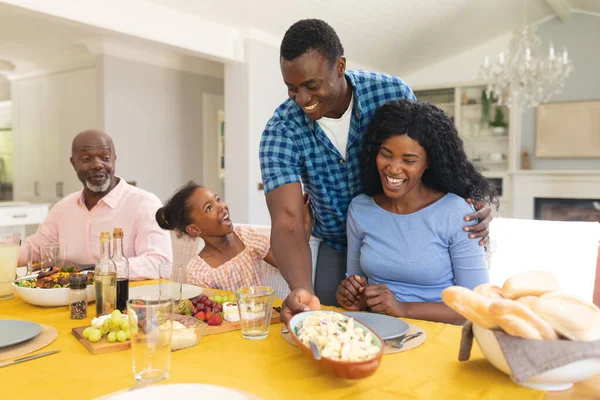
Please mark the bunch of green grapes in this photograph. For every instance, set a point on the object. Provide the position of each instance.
(116, 328)
(224, 298)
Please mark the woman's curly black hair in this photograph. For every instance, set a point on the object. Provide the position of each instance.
(448, 169)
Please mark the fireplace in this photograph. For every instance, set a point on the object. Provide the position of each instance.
(555, 209)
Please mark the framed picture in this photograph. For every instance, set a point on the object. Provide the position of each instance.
(568, 130)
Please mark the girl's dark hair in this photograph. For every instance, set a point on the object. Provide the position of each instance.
(448, 170)
(175, 214)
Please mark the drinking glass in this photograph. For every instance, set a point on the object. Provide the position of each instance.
(255, 304)
(9, 257)
(150, 324)
(171, 280)
(52, 255)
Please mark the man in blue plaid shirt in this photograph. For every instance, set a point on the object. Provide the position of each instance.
(315, 137)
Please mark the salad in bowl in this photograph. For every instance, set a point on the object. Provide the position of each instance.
(50, 288)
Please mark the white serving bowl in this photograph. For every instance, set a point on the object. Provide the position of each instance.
(561, 378)
(48, 297)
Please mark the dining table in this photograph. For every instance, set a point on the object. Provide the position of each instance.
(269, 369)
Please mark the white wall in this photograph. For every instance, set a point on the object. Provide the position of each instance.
(4, 89)
(252, 93)
(154, 116)
(580, 34)
(462, 67)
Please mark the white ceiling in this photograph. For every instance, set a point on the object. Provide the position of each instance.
(397, 36)
(35, 42)
(32, 41)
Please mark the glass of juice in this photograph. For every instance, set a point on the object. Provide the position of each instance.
(9, 257)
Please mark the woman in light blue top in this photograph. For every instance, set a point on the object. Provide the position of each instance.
(405, 234)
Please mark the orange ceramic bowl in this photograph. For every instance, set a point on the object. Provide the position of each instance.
(342, 369)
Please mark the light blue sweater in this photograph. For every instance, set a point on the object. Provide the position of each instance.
(416, 255)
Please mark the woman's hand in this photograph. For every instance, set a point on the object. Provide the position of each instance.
(349, 293)
(380, 299)
(484, 216)
(308, 217)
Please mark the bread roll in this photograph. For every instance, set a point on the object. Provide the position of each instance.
(473, 306)
(490, 291)
(569, 316)
(528, 301)
(518, 320)
(530, 283)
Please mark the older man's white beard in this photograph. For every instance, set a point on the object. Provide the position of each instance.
(98, 188)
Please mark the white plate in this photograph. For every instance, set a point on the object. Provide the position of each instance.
(14, 332)
(185, 391)
(385, 326)
(187, 291)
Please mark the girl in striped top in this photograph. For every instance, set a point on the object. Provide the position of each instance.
(232, 254)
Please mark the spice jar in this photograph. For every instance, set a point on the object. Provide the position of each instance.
(78, 296)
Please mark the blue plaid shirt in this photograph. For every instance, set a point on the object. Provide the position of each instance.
(294, 148)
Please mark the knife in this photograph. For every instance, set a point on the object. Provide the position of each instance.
(23, 359)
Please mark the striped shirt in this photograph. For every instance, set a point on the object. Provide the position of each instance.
(241, 271)
(295, 149)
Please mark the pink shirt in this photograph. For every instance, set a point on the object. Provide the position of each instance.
(69, 222)
(241, 271)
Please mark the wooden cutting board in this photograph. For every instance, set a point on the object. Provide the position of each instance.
(104, 346)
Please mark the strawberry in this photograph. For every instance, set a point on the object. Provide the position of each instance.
(207, 315)
(215, 319)
(200, 315)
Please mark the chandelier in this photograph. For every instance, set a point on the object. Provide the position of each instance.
(534, 78)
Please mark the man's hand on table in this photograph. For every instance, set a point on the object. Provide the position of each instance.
(298, 300)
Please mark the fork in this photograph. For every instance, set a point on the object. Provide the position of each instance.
(405, 339)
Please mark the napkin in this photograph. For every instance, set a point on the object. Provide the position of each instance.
(527, 357)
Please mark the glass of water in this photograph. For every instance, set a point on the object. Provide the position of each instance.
(52, 255)
(150, 324)
(171, 280)
(255, 304)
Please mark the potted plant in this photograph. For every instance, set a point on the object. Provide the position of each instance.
(499, 124)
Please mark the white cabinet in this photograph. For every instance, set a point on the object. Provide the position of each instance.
(16, 217)
(48, 111)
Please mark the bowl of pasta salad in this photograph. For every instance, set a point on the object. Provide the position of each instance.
(348, 348)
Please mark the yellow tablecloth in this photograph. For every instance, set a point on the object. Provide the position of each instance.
(270, 368)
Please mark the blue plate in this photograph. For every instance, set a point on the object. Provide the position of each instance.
(15, 332)
(385, 326)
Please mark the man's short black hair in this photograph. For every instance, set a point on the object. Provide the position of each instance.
(309, 34)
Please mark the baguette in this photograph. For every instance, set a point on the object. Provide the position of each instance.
(490, 291)
(530, 283)
(518, 320)
(569, 316)
(473, 306)
(528, 301)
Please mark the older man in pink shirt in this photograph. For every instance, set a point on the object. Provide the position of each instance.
(104, 203)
